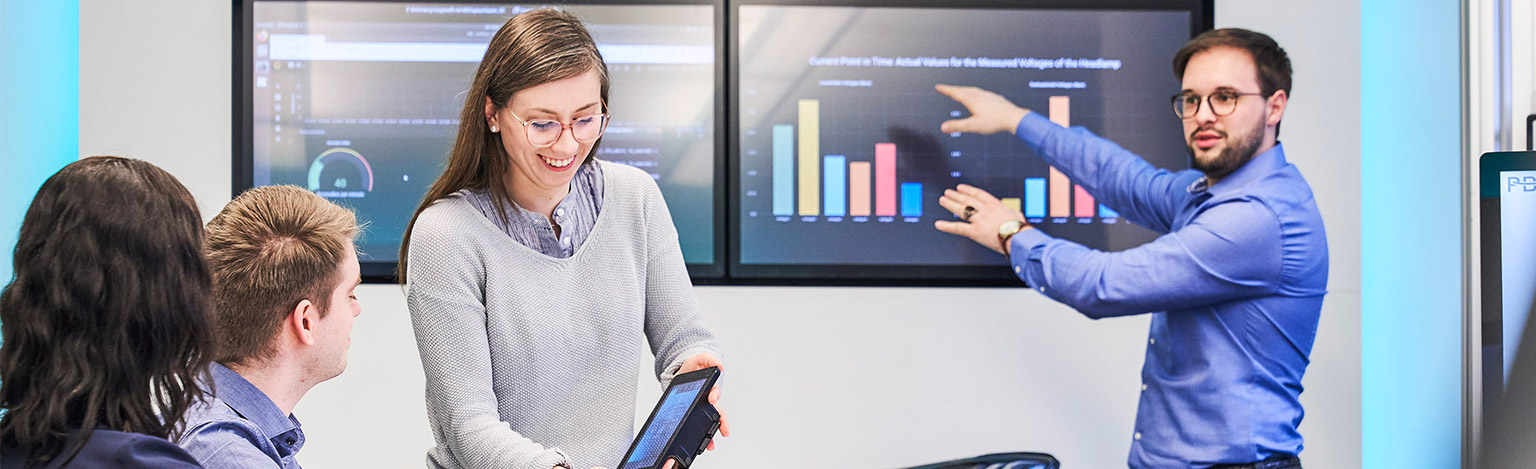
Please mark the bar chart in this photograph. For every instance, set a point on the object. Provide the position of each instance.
(842, 187)
(837, 186)
(837, 157)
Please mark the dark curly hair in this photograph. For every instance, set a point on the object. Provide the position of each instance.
(106, 322)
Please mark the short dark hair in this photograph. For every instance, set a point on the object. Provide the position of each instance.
(269, 249)
(106, 322)
(1273, 64)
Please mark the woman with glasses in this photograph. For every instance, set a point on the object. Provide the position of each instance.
(537, 275)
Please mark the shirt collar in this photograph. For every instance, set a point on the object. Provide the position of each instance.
(252, 404)
(1261, 165)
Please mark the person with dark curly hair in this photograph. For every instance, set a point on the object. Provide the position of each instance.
(105, 325)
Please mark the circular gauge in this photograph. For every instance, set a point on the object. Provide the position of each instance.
(340, 170)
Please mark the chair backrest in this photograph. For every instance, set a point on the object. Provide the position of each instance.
(1020, 460)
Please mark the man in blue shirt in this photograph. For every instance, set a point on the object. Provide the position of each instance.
(284, 270)
(1235, 283)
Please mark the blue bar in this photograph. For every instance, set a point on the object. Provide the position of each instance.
(911, 199)
(1106, 212)
(783, 170)
(834, 170)
(1034, 198)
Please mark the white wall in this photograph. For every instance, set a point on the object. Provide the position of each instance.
(816, 377)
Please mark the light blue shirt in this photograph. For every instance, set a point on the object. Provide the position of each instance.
(1235, 286)
(575, 215)
(240, 427)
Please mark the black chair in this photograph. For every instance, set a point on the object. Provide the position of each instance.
(999, 461)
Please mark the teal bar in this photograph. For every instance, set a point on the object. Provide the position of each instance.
(834, 170)
(1034, 198)
(783, 170)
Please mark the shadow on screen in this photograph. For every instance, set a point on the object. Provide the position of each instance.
(921, 151)
(1509, 431)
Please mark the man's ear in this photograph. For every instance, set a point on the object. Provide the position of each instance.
(302, 321)
(1275, 108)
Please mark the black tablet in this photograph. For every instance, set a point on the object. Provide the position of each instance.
(680, 426)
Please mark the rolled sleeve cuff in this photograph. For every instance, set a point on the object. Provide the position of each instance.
(1033, 127)
(676, 365)
(1025, 249)
(555, 457)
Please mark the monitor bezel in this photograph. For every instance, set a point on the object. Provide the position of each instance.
(242, 132)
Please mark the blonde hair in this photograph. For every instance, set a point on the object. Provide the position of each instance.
(269, 249)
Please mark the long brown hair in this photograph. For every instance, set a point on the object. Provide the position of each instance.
(531, 49)
(107, 319)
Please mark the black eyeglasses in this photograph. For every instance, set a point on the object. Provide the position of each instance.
(1223, 103)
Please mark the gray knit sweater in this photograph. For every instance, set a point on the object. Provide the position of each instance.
(530, 360)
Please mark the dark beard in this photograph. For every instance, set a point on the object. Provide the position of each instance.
(1232, 157)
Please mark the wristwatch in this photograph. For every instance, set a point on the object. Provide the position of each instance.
(1006, 231)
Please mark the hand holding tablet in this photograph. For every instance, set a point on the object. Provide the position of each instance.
(682, 425)
(701, 361)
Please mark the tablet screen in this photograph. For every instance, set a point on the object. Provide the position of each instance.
(656, 434)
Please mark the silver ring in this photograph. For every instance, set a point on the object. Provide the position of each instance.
(966, 215)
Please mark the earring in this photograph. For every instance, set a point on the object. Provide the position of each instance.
(493, 129)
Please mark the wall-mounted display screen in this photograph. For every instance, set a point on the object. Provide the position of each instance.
(838, 161)
(360, 101)
(794, 141)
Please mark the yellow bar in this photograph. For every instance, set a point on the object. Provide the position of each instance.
(1013, 203)
(810, 157)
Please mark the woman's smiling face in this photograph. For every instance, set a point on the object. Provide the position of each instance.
(547, 168)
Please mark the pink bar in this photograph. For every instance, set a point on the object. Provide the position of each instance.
(1083, 202)
(858, 189)
(885, 179)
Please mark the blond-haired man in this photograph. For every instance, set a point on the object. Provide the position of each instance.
(284, 270)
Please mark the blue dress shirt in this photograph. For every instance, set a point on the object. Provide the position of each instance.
(240, 427)
(1235, 286)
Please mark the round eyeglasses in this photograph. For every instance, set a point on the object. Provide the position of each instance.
(1223, 103)
(545, 132)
